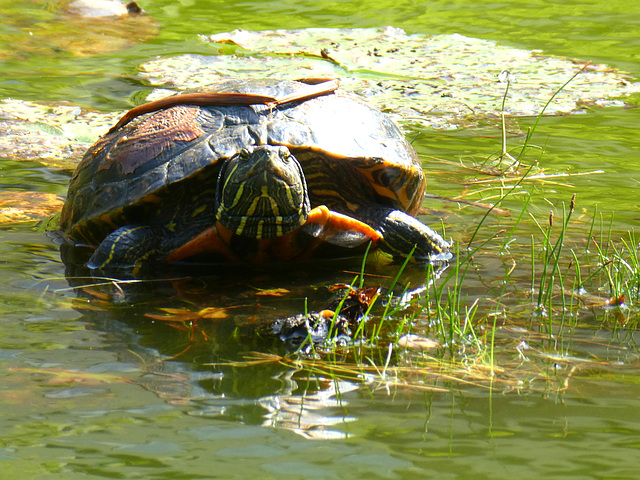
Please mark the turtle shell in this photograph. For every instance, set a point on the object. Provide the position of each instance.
(352, 155)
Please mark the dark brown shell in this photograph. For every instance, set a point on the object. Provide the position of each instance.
(352, 156)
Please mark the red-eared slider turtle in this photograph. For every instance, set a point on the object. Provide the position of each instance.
(259, 171)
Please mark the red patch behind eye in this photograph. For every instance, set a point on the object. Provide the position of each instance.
(151, 137)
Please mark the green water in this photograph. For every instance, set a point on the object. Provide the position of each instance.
(93, 389)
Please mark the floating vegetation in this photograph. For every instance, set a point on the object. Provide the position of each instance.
(441, 81)
(56, 134)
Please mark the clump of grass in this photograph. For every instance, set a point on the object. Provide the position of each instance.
(552, 254)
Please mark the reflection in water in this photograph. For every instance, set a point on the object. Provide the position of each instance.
(209, 343)
(306, 414)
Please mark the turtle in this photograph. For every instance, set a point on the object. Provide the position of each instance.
(249, 172)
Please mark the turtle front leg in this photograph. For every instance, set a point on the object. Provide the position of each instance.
(128, 247)
(400, 233)
(338, 229)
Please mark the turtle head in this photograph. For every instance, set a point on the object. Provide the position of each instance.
(262, 193)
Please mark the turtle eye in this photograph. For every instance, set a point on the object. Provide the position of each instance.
(389, 176)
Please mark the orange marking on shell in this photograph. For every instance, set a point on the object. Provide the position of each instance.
(151, 137)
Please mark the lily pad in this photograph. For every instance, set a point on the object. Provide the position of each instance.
(442, 81)
(56, 134)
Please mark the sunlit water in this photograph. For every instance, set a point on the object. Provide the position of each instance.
(92, 388)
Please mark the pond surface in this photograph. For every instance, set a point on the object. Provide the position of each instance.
(103, 382)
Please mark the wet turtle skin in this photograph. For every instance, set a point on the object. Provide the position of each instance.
(160, 171)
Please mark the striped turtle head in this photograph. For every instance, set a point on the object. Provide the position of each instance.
(262, 193)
